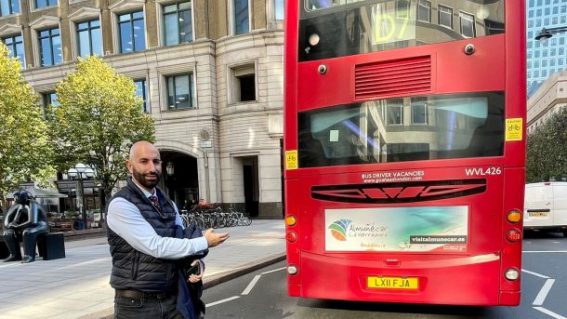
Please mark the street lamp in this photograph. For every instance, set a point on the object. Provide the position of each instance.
(169, 168)
(81, 172)
(547, 33)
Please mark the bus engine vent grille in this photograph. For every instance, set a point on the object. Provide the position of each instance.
(398, 77)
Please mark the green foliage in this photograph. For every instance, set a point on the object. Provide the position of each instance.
(99, 117)
(547, 150)
(25, 150)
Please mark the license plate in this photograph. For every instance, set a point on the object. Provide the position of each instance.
(408, 283)
(538, 214)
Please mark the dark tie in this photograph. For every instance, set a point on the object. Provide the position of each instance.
(154, 201)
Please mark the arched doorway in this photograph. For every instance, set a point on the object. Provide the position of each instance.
(180, 178)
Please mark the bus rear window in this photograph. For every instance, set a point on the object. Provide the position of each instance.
(334, 28)
(403, 129)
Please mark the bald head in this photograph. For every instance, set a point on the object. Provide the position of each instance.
(144, 163)
(140, 146)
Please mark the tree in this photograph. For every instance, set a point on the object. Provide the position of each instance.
(547, 149)
(98, 119)
(25, 150)
(536, 160)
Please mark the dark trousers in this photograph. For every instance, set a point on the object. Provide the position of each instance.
(146, 307)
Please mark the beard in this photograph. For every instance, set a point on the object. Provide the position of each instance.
(144, 181)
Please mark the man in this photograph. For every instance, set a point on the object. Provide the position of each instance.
(142, 224)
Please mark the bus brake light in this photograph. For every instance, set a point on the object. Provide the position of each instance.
(291, 237)
(514, 235)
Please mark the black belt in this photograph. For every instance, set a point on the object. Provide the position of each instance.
(136, 294)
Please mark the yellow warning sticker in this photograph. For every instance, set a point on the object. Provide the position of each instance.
(291, 159)
(514, 129)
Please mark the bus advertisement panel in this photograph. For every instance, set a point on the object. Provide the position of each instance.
(404, 150)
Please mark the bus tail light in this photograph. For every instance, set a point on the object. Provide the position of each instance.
(514, 216)
(514, 235)
(290, 220)
(291, 237)
(291, 269)
(512, 274)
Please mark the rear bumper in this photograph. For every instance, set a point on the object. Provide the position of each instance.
(451, 280)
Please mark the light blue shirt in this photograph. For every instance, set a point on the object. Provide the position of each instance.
(126, 220)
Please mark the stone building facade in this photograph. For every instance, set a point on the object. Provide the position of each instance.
(549, 97)
(210, 72)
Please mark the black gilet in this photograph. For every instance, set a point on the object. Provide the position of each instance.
(132, 269)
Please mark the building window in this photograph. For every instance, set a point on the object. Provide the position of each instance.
(45, 3)
(50, 103)
(141, 90)
(50, 47)
(468, 29)
(132, 34)
(8, 7)
(177, 23)
(241, 17)
(402, 9)
(419, 111)
(242, 84)
(395, 112)
(50, 98)
(279, 6)
(89, 38)
(15, 45)
(180, 91)
(424, 11)
(446, 17)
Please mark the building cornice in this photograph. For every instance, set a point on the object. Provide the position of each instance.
(9, 29)
(126, 5)
(44, 21)
(84, 13)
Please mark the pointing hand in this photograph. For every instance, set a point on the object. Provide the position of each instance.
(215, 239)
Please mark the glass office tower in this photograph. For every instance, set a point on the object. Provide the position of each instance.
(548, 56)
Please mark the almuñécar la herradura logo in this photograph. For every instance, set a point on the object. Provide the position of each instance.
(339, 228)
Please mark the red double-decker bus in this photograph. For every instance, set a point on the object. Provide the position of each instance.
(404, 145)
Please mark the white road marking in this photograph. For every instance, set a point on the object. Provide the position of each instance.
(251, 285)
(549, 313)
(273, 270)
(540, 298)
(544, 251)
(11, 265)
(246, 290)
(222, 301)
(535, 274)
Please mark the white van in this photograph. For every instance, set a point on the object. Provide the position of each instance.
(545, 206)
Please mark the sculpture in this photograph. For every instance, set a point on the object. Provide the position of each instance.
(26, 220)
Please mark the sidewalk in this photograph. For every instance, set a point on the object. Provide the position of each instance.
(78, 286)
